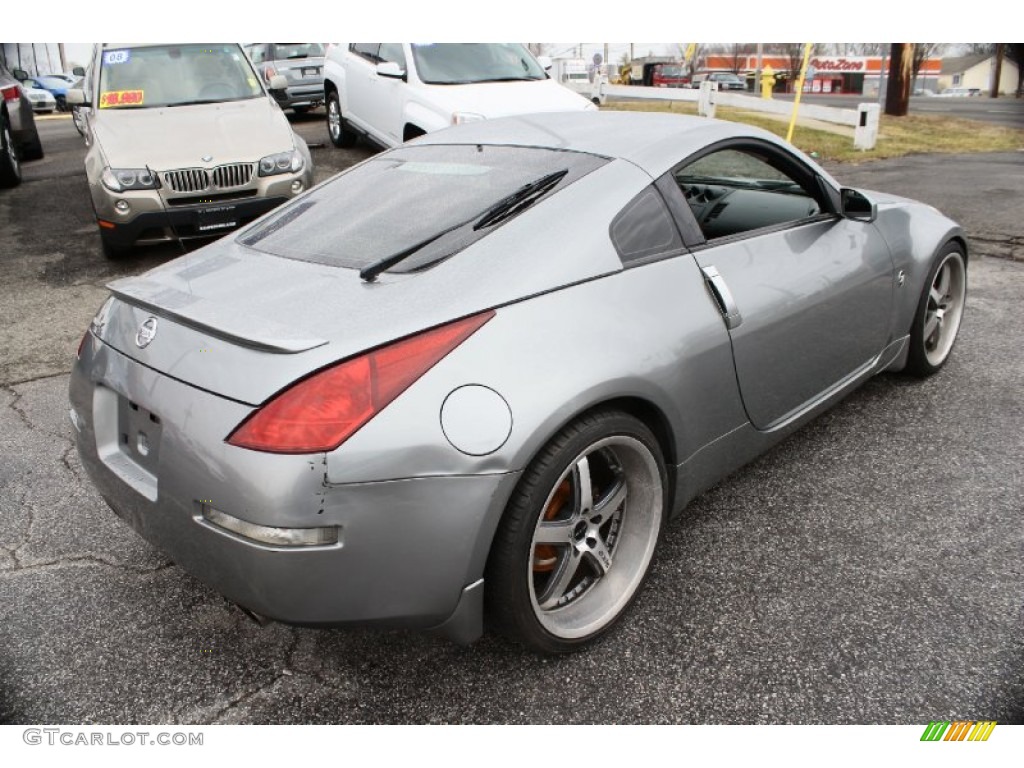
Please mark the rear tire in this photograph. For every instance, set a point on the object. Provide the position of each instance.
(340, 134)
(939, 313)
(575, 543)
(10, 160)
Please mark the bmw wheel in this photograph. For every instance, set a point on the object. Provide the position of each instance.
(577, 539)
(939, 313)
(341, 135)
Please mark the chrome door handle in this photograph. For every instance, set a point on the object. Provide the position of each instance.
(723, 297)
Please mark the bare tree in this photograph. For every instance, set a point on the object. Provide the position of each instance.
(700, 51)
(922, 52)
(794, 52)
(1015, 52)
(737, 53)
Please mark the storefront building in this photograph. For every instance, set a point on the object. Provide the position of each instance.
(831, 74)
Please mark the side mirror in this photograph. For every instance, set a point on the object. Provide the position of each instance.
(856, 206)
(390, 69)
(545, 62)
(78, 71)
(76, 98)
(278, 83)
(20, 74)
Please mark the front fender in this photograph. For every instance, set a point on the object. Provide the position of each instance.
(915, 233)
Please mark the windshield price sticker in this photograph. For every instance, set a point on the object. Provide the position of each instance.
(117, 57)
(121, 99)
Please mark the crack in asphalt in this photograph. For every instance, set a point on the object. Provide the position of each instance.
(67, 464)
(13, 405)
(78, 561)
(18, 382)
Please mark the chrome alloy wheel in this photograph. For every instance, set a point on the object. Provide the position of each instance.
(334, 119)
(594, 540)
(944, 308)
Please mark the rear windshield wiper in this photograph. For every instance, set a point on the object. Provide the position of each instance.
(504, 209)
(519, 200)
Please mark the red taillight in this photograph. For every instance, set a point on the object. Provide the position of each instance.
(11, 93)
(321, 412)
(81, 345)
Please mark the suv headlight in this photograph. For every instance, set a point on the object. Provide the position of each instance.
(121, 179)
(282, 162)
(458, 118)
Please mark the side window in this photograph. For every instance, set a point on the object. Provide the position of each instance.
(644, 229)
(256, 54)
(734, 191)
(392, 52)
(367, 50)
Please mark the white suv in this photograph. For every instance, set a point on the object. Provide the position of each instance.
(393, 92)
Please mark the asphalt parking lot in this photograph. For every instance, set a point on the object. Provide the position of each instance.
(867, 570)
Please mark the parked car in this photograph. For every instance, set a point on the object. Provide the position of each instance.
(486, 367)
(727, 81)
(184, 142)
(41, 100)
(302, 65)
(392, 92)
(959, 93)
(57, 86)
(19, 138)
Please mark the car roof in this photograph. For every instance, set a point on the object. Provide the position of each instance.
(653, 141)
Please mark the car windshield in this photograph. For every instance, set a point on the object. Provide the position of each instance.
(458, 63)
(175, 75)
(297, 51)
(671, 71)
(423, 198)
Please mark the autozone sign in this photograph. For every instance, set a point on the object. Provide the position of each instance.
(839, 64)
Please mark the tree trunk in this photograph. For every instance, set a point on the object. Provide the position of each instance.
(897, 93)
(999, 71)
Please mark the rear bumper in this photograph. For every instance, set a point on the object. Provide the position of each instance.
(411, 551)
(300, 96)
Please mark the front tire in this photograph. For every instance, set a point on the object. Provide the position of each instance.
(939, 313)
(10, 160)
(341, 135)
(576, 541)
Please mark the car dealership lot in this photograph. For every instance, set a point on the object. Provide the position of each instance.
(866, 570)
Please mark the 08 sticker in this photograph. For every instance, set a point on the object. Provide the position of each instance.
(122, 56)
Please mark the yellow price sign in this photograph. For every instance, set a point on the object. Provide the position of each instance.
(121, 98)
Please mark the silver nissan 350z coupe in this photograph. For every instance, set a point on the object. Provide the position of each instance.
(474, 375)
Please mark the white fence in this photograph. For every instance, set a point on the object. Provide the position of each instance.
(864, 119)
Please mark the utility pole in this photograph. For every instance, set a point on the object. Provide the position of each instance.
(999, 71)
(760, 63)
(881, 79)
(901, 66)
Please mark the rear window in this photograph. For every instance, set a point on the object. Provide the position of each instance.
(429, 195)
(283, 51)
